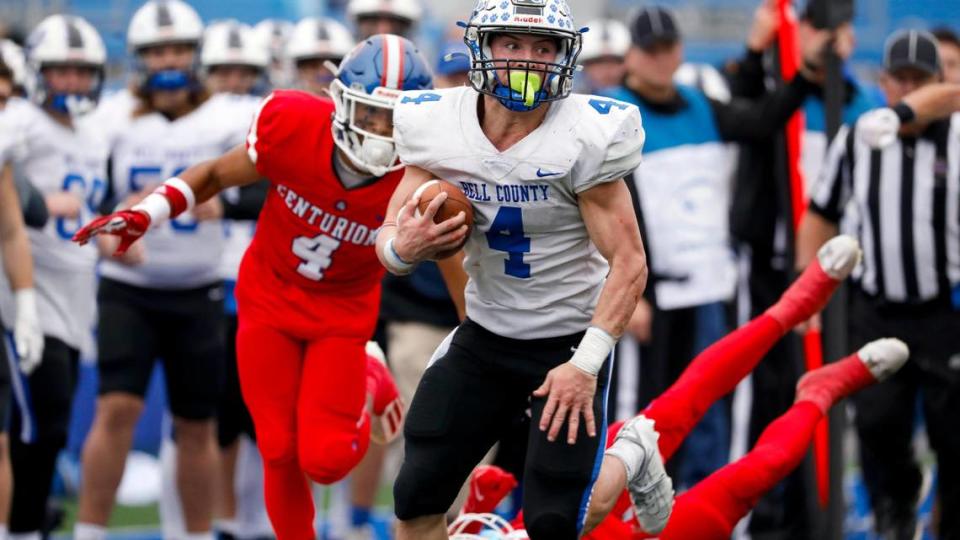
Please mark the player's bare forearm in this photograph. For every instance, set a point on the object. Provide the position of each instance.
(934, 101)
(209, 178)
(813, 232)
(14, 244)
(608, 213)
(455, 278)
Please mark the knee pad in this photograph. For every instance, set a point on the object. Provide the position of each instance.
(277, 447)
(327, 456)
(415, 495)
(550, 526)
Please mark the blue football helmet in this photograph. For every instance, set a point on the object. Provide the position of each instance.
(372, 75)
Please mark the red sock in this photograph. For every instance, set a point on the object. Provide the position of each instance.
(829, 384)
(805, 297)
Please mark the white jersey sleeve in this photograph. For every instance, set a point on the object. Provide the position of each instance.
(415, 146)
(616, 127)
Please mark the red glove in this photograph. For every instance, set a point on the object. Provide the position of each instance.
(489, 484)
(129, 225)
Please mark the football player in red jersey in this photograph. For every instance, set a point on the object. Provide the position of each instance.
(309, 285)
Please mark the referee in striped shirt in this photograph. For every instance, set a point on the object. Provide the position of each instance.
(901, 199)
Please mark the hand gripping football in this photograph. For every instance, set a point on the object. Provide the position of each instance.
(456, 202)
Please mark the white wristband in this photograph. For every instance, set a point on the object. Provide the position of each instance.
(393, 262)
(160, 204)
(593, 350)
(156, 206)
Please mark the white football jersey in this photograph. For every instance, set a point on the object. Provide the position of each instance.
(146, 150)
(56, 158)
(533, 270)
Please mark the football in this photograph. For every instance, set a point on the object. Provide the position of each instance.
(456, 202)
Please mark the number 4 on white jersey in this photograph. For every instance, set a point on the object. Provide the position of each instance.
(316, 253)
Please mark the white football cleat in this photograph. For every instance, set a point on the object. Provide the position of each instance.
(650, 488)
(839, 256)
(884, 357)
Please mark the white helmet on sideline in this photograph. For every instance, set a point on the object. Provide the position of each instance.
(164, 21)
(233, 43)
(64, 40)
(319, 37)
(606, 38)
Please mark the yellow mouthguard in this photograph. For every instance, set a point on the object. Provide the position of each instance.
(527, 83)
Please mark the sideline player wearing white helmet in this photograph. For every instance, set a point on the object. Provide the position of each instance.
(314, 42)
(163, 299)
(371, 17)
(50, 141)
(556, 266)
(233, 60)
(273, 34)
(604, 46)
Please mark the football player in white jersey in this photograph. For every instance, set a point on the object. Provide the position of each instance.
(556, 266)
(49, 141)
(166, 300)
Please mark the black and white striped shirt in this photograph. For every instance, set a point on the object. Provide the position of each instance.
(903, 204)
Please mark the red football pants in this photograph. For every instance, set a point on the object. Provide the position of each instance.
(307, 402)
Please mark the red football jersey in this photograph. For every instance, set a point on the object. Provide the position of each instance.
(312, 261)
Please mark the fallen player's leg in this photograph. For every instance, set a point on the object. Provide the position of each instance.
(714, 507)
(713, 374)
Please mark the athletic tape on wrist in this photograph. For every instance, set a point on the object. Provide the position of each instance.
(395, 264)
(593, 350)
(25, 300)
(168, 201)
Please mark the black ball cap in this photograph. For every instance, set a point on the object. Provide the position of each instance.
(915, 49)
(652, 25)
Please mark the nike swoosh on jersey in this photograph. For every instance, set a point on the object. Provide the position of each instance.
(541, 173)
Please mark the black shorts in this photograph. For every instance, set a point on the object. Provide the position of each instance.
(184, 328)
(233, 417)
(464, 404)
